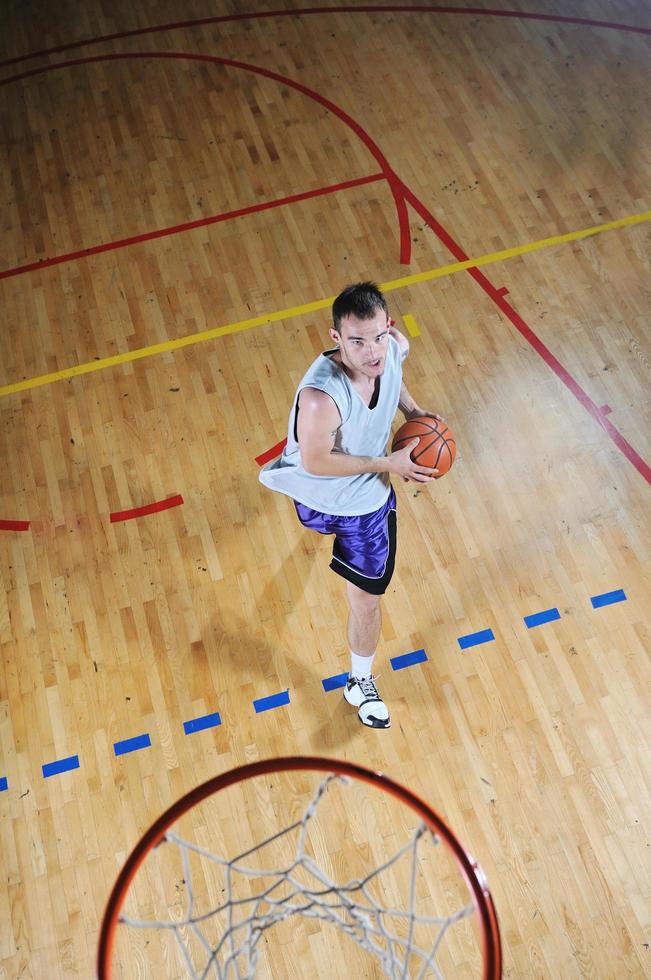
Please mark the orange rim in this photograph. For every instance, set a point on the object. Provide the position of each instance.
(474, 876)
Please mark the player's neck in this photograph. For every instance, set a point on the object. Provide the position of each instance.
(360, 380)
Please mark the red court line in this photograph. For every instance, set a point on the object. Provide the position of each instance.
(632, 456)
(308, 11)
(402, 195)
(127, 515)
(270, 454)
(525, 330)
(370, 144)
(14, 525)
(187, 226)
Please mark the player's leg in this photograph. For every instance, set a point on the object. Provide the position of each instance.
(364, 554)
(364, 622)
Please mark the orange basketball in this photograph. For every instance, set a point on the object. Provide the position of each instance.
(437, 447)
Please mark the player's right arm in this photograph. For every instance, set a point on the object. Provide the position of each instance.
(317, 424)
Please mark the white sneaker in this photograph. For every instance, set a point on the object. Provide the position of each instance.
(362, 693)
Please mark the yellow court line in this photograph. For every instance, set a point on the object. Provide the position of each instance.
(411, 325)
(321, 304)
(509, 253)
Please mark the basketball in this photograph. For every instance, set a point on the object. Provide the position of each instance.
(437, 447)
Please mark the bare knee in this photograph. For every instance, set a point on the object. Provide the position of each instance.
(362, 603)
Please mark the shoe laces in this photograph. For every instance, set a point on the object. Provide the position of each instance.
(367, 686)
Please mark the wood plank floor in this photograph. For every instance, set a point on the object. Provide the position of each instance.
(405, 141)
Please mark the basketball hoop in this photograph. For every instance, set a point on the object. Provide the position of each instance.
(302, 854)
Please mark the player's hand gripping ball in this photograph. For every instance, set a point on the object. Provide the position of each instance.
(437, 446)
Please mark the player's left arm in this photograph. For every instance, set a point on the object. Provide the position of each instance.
(406, 404)
(410, 409)
(399, 338)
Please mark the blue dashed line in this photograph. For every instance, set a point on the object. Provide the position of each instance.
(132, 744)
(537, 619)
(608, 598)
(273, 701)
(474, 639)
(408, 659)
(200, 724)
(61, 765)
(332, 683)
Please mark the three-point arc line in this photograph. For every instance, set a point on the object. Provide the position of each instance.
(344, 8)
(155, 508)
(116, 516)
(403, 197)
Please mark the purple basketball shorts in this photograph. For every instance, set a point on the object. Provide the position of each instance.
(364, 550)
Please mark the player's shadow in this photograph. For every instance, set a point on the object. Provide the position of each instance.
(334, 721)
(255, 637)
(262, 642)
(278, 621)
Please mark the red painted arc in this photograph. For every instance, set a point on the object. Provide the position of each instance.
(10, 525)
(346, 9)
(153, 508)
(271, 453)
(402, 196)
(392, 179)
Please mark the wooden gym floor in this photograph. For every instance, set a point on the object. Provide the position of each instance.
(358, 144)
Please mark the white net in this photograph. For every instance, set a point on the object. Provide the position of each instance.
(212, 913)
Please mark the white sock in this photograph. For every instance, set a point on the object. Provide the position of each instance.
(361, 666)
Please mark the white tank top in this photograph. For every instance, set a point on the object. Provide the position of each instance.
(363, 431)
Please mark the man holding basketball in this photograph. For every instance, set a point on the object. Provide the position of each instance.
(336, 469)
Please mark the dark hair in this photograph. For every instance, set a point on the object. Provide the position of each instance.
(361, 300)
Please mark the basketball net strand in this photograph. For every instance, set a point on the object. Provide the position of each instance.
(350, 906)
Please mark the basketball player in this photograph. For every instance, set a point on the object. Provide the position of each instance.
(336, 469)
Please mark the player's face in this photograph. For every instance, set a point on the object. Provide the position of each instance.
(363, 343)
